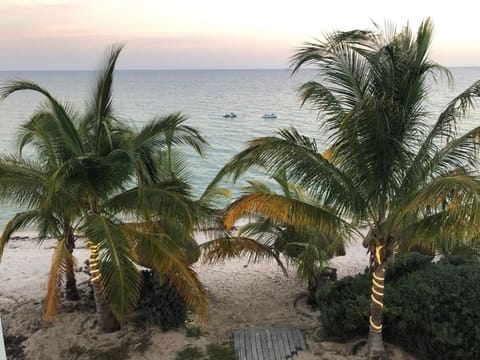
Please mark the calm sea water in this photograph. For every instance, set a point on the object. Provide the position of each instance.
(204, 96)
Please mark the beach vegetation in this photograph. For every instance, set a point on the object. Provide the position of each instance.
(160, 303)
(117, 185)
(222, 351)
(388, 164)
(268, 236)
(190, 352)
(213, 351)
(193, 331)
(430, 308)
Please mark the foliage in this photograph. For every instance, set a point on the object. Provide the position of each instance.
(432, 311)
(194, 331)
(120, 352)
(403, 265)
(14, 347)
(387, 163)
(345, 307)
(160, 302)
(223, 351)
(90, 172)
(189, 353)
(271, 230)
(215, 351)
(435, 312)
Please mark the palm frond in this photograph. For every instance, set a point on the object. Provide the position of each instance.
(280, 209)
(119, 276)
(229, 247)
(160, 252)
(58, 270)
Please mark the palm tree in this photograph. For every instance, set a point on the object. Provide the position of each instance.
(410, 179)
(268, 235)
(111, 184)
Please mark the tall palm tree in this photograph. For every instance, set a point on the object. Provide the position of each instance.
(388, 165)
(111, 184)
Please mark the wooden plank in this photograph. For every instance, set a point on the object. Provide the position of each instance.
(3, 353)
(265, 350)
(292, 339)
(258, 338)
(271, 350)
(284, 336)
(239, 340)
(280, 344)
(243, 346)
(248, 345)
(301, 340)
(276, 347)
(253, 344)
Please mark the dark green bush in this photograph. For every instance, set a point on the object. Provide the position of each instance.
(345, 306)
(160, 302)
(403, 265)
(433, 311)
(436, 312)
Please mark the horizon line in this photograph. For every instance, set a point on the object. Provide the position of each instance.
(192, 69)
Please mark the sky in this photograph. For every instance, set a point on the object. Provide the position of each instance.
(212, 34)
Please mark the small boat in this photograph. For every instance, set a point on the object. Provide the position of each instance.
(230, 115)
(269, 116)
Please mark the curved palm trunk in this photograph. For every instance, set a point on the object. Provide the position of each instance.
(105, 317)
(376, 349)
(71, 291)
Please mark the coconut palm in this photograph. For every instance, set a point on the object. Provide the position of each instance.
(265, 235)
(111, 183)
(388, 165)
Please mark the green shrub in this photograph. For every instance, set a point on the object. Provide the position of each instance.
(160, 302)
(345, 306)
(189, 353)
(223, 351)
(194, 331)
(436, 312)
(433, 311)
(406, 264)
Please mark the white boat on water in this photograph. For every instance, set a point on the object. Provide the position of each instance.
(230, 115)
(269, 116)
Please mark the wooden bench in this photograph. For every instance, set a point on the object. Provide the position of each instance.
(268, 343)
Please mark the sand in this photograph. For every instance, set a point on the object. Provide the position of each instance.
(240, 294)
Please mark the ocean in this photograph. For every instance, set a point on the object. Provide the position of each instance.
(204, 96)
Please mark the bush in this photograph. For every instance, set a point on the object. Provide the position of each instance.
(436, 312)
(433, 311)
(189, 353)
(160, 302)
(345, 306)
(400, 266)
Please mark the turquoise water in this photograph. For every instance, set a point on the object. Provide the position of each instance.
(203, 95)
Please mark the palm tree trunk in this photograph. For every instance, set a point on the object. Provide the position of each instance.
(376, 349)
(71, 291)
(105, 317)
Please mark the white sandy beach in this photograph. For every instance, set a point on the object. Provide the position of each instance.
(240, 295)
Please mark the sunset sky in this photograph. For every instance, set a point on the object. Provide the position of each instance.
(211, 34)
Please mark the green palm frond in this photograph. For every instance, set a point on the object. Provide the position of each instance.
(457, 150)
(229, 247)
(119, 277)
(319, 177)
(159, 251)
